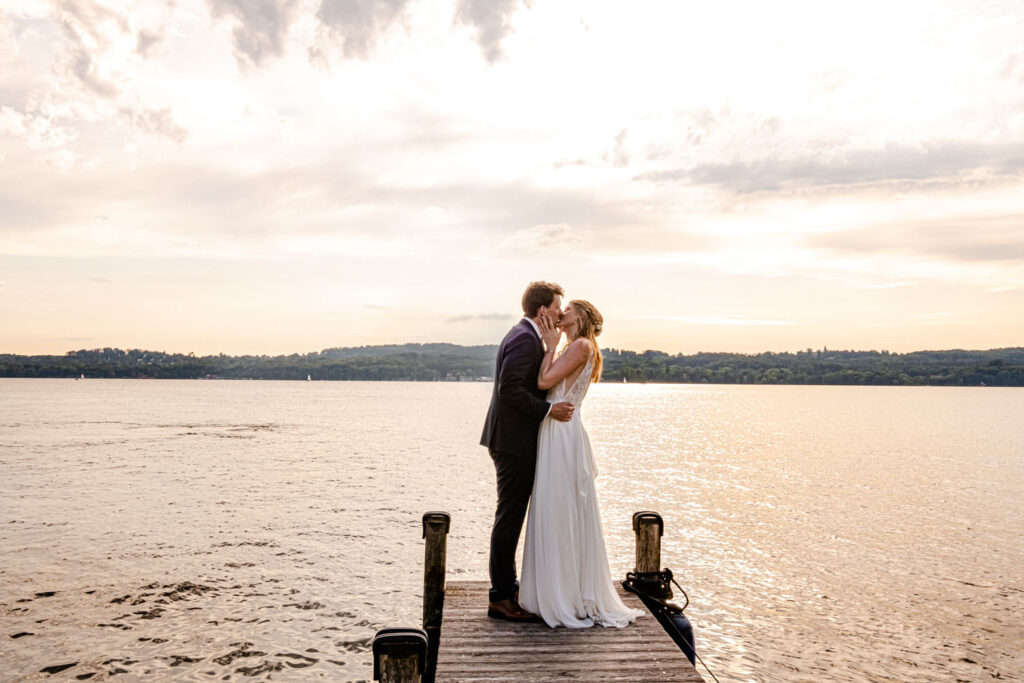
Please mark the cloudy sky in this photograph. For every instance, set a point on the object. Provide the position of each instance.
(277, 176)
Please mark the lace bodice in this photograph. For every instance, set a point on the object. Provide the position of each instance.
(573, 394)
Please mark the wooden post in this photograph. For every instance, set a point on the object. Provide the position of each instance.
(399, 654)
(435, 531)
(401, 669)
(649, 528)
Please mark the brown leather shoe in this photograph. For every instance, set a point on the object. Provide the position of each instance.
(510, 610)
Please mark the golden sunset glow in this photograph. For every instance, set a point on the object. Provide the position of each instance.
(287, 176)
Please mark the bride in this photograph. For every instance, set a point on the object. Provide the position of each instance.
(565, 578)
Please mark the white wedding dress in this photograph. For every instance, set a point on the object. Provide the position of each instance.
(565, 578)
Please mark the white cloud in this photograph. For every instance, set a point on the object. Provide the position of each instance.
(491, 21)
(942, 163)
(260, 27)
(543, 236)
(11, 122)
(719, 321)
(357, 24)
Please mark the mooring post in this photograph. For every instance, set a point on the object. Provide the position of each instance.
(649, 528)
(653, 584)
(435, 531)
(399, 655)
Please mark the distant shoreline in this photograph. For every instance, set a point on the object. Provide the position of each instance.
(454, 363)
(603, 381)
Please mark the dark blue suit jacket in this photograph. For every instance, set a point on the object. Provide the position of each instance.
(517, 405)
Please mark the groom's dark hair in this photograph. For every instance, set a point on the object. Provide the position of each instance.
(539, 294)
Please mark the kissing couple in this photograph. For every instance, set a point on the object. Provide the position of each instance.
(540, 449)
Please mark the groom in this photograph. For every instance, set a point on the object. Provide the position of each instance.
(510, 434)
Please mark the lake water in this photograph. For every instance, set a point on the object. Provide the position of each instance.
(193, 530)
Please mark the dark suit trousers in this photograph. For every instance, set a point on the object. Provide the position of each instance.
(515, 483)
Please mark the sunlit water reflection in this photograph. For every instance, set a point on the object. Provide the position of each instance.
(198, 530)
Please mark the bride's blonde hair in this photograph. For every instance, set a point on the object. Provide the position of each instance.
(589, 323)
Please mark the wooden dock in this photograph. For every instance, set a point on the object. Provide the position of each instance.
(476, 648)
(459, 643)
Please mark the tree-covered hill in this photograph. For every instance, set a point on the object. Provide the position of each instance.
(435, 362)
(416, 362)
(995, 367)
(440, 349)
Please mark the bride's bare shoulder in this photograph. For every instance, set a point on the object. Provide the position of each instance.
(579, 350)
(583, 347)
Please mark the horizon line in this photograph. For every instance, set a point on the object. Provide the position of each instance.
(610, 348)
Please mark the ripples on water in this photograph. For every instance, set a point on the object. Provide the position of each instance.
(199, 530)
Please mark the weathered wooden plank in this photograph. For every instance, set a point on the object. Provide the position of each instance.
(543, 644)
(556, 672)
(588, 656)
(475, 648)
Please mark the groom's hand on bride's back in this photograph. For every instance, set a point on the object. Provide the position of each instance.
(562, 411)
